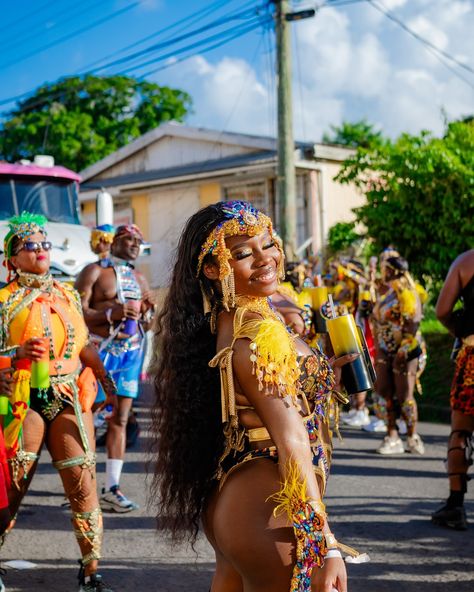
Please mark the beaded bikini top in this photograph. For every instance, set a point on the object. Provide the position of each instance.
(276, 364)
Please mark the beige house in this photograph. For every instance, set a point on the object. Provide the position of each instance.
(160, 179)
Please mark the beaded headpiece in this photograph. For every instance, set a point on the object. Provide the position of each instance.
(388, 253)
(240, 218)
(131, 229)
(22, 226)
(104, 232)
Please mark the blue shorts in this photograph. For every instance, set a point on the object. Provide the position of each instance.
(124, 368)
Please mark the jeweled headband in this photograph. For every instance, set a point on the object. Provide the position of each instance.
(131, 229)
(241, 218)
(104, 232)
(22, 226)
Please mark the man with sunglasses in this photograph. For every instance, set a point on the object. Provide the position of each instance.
(118, 311)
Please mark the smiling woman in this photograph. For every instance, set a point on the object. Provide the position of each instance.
(250, 459)
(42, 331)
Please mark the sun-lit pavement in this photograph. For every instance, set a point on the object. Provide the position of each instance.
(378, 505)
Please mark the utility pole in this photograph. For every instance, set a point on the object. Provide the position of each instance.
(286, 177)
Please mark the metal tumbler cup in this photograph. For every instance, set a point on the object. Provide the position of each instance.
(346, 339)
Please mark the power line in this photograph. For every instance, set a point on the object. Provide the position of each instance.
(300, 84)
(271, 81)
(191, 17)
(74, 33)
(239, 33)
(164, 44)
(30, 14)
(19, 40)
(242, 30)
(421, 39)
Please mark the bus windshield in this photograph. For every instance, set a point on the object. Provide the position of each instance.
(54, 198)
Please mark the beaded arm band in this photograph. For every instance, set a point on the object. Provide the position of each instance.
(10, 352)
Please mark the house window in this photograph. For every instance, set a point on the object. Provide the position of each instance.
(255, 193)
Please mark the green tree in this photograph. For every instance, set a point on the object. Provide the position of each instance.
(360, 133)
(80, 120)
(420, 196)
(341, 236)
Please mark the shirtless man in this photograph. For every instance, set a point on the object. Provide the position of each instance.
(118, 310)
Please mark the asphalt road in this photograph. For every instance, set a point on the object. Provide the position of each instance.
(378, 505)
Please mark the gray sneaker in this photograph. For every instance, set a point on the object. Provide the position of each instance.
(114, 501)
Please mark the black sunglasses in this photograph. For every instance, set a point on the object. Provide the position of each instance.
(31, 246)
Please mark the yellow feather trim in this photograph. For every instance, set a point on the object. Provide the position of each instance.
(407, 300)
(274, 359)
(292, 489)
(422, 293)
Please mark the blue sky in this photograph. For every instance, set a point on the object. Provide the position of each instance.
(349, 62)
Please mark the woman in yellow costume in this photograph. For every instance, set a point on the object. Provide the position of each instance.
(250, 457)
(42, 327)
(400, 356)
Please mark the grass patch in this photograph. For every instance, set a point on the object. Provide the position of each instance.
(436, 380)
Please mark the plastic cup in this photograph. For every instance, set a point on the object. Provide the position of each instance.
(345, 339)
(131, 325)
(40, 368)
(5, 362)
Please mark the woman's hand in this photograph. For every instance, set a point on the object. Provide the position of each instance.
(337, 363)
(6, 381)
(332, 576)
(33, 350)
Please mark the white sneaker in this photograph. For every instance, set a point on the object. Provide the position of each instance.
(402, 426)
(347, 415)
(114, 501)
(415, 444)
(359, 419)
(391, 446)
(375, 425)
(2, 586)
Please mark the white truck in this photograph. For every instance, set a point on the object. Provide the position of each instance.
(41, 187)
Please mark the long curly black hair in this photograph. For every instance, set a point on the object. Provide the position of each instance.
(186, 417)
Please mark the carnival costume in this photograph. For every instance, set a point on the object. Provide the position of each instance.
(307, 381)
(399, 306)
(104, 233)
(123, 356)
(38, 306)
(462, 389)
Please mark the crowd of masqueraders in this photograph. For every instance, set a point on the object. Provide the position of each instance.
(253, 360)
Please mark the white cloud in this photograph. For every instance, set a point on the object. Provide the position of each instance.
(429, 31)
(350, 69)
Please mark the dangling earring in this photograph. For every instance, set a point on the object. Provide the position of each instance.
(206, 301)
(281, 266)
(228, 290)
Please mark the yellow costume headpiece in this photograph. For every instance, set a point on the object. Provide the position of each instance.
(105, 232)
(241, 218)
